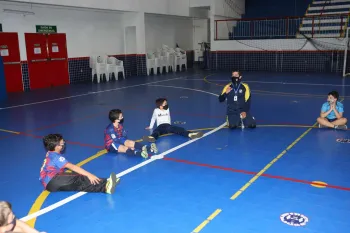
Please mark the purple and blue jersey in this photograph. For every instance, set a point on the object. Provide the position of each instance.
(54, 164)
(114, 136)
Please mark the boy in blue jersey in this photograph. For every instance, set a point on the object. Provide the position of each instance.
(54, 178)
(116, 139)
(332, 113)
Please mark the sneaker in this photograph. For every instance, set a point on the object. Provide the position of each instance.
(111, 183)
(321, 126)
(196, 135)
(154, 148)
(342, 127)
(148, 139)
(144, 153)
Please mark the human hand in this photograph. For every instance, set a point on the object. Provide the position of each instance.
(243, 115)
(93, 179)
(148, 128)
(228, 90)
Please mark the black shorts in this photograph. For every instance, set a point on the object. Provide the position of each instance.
(331, 120)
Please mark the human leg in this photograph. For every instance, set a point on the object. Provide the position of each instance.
(80, 183)
(183, 132)
(233, 120)
(332, 123)
(157, 132)
(139, 146)
(249, 121)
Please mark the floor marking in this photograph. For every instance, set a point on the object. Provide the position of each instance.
(252, 180)
(9, 131)
(40, 200)
(153, 158)
(318, 184)
(92, 93)
(205, 222)
(284, 83)
(262, 92)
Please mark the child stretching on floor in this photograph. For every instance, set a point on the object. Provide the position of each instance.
(161, 114)
(54, 178)
(9, 222)
(116, 138)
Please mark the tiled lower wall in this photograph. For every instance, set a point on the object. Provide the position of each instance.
(279, 61)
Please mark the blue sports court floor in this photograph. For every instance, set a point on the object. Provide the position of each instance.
(240, 181)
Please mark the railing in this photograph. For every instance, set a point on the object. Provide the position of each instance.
(313, 26)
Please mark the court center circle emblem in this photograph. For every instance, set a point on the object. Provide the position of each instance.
(294, 219)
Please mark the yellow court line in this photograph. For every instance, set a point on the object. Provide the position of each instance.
(252, 180)
(205, 222)
(43, 196)
(9, 131)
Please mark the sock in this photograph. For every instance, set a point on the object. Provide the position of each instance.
(138, 146)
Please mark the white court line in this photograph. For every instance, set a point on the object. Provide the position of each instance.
(153, 158)
(283, 83)
(92, 93)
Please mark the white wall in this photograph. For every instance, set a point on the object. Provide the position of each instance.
(233, 10)
(87, 31)
(200, 3)
(171, 7)
(200, 32)
(168, 30)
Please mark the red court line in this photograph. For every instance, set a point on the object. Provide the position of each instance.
(254, 173)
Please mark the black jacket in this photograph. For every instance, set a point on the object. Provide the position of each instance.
(242, 91)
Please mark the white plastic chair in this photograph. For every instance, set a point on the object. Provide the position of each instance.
(114, 66)
(98, 66)
(150, 63)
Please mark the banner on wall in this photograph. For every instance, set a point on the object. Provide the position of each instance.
(46, 29)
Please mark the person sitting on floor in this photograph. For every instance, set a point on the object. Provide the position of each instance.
(161, 115)
(332, 113)
(54, 178)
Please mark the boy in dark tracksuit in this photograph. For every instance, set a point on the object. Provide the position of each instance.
(238, 98)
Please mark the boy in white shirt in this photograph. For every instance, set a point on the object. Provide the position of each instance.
(161, 115)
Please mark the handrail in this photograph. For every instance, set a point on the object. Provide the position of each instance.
(285, 17)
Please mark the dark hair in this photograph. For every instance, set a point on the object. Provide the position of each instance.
(114, 115)
(51, 141)
(335, 94)
(160, 101)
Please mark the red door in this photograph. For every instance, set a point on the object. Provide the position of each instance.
(58, 59)
(37, 56)
(9, 48)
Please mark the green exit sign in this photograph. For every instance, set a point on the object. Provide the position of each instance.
(46, 29)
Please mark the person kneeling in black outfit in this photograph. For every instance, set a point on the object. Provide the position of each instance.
(238, 98)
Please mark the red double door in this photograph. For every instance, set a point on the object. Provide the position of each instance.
(47, 59)
(9, 48)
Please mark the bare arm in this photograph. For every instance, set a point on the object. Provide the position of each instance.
(324, 114)
(24, 227)
(79, 170)
(337, 114)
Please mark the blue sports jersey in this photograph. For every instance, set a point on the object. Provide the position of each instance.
(326, 106)
(113, 134)
(54, 164)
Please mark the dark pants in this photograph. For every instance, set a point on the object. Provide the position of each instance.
(166, 128)
(75, 182)
(234, 120)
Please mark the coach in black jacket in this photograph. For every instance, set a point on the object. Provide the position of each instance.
(238, 98)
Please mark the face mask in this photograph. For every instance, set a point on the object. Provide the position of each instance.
(166, 107)
(121, 121)
(235, 80)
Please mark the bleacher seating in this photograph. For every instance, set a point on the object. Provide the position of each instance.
(273, 19)
(323, 19)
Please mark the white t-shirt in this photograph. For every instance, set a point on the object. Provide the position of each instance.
(161, 116)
